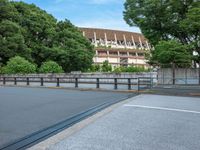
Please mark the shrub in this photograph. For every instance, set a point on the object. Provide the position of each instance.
(117, 70)
(18, 65)
(130, 69)
(106, 67)
(94, 68)
(50, 67)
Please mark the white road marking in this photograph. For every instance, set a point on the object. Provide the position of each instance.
(163, 108)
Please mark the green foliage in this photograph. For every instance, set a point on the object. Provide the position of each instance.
(161, 20)
(171, 52)
(94, 68)
(50, 67)
(106, 67)
(129, 69)
(30, 32)
(118, 70)
(1, 70)
(12, 41)
(158, 20)
(191, 25)
(18, 65)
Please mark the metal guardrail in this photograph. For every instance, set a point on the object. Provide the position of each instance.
(145, 83)
(141, 82)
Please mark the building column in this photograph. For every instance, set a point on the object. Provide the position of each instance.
(141, 43)
(125, 40)
(108, 55)
(134, 45)
(147, 45)
(106, 42)
(115, 39)
(95, 39)
(96, 56)
(118, 59)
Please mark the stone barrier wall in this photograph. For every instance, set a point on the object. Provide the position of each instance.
(182, 76)
(88, 75)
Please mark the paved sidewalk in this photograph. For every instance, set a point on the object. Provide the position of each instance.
(147, 122)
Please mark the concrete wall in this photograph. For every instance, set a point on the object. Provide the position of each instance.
(90, 75)
(85, 78)
(182, 76)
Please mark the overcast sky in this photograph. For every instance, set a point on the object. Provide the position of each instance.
(88, 13)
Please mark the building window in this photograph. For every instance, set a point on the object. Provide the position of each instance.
(123, 53)
(124, 62)
(132, 54)
(140, 54)
(113, 53)
(102, 53)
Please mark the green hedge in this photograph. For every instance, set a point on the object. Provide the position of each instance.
(50, 67)
(18, 65)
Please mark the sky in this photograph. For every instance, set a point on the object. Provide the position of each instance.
(106, 14)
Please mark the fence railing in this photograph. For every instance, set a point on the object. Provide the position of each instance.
(179, 76)
(139, 83)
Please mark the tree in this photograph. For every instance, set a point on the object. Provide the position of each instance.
(191, 25)
(8, 11)
(159, 19)
(78, 51)
(166, 20)
(106, 67)
(50, 67)
(18, 65)
(171, 52)
(41, 35)
(95, 68)
(12, 42)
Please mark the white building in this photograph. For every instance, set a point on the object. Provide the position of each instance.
(119, 48)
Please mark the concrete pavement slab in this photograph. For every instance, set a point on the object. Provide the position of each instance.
(148, 122)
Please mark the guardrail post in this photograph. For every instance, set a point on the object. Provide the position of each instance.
(4, 80)
(76, 82)
(41, 81)
(27, 81)
(58, 82)
(97, 84)
(15, 81)
(129, 84)
(151, 83)
(115, 83)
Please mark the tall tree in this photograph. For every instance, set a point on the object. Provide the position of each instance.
(191, 25)
(159, 19)
(45, 37)
(12, 42)
(166, 20)
(171, 52)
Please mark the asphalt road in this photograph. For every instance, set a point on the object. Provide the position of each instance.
(147, 122)
(27, 110)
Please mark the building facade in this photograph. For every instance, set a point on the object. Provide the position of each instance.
(119, 48)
